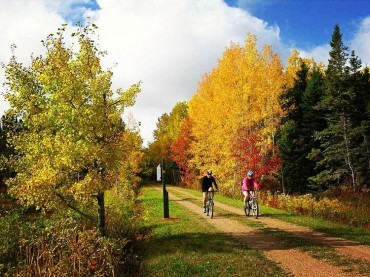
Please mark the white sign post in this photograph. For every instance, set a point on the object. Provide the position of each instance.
(159, 173)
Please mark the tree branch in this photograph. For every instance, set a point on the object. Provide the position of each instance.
(69, 205)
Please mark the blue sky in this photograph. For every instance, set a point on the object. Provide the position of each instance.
(170, 44)
(308, 23)
(302, 23)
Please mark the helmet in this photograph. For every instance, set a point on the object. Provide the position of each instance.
(209, 171)
(250, 173)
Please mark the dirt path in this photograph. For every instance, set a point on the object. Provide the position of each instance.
(343, 246)
(292, 260)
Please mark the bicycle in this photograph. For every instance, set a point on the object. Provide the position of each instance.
(252, 205)
(210, 203)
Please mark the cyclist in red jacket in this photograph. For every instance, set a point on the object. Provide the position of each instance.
(249, 185)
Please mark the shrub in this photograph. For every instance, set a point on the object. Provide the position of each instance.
(347, 208)
(64, 244)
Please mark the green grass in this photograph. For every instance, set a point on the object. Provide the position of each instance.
(357, 234)
(316, 250)
(186, 245)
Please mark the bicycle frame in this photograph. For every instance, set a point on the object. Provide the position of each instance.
(252, 205)
(210, 204)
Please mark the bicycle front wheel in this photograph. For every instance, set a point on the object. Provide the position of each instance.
(247, 209)
(255, 209)
(211, 208)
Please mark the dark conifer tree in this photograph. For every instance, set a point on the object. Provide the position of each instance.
(290, 141)
(7, 125)
(296, 138)
(313, 121)
(359, 87)
(340, 156)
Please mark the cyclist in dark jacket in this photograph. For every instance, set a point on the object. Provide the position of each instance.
(207, 186)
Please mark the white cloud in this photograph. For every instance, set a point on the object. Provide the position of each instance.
(319, 53)
(166, 44)
(361, 42)
(25, 24)
(170, 46)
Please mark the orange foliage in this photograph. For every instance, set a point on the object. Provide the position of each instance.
(180, 148)
(240, 93)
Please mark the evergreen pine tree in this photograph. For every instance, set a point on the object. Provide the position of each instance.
(339, 156)
(312, 121)
(359, 87)
(289, 139)
(298, 127)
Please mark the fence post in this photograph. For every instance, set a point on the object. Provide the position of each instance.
(166, 213)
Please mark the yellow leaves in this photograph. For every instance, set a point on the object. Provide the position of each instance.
(73, 124)
(240, 93)
(34, 187)
(294, 64)
(168, 128)
(127, 98)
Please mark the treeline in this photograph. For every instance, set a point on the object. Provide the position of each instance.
(302, 127)
(7, 125)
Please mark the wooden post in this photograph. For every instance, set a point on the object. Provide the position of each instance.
(166, 213)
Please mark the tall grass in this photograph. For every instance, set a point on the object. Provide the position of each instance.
(68, 253)
(64, 244)
(337, 205)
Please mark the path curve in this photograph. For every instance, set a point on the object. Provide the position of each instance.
(343, 246)
(292, 260)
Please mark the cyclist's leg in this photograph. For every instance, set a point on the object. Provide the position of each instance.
(211, 191)
(248, 195)
(204, 200)
(245, 196)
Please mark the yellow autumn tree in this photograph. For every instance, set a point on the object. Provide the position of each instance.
(294, 64)
(168, 128)
(127, 179)
(72, 148)
(237, 98)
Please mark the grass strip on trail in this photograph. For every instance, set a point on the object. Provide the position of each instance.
(186, 245)
(315, 249)
(357, 234)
